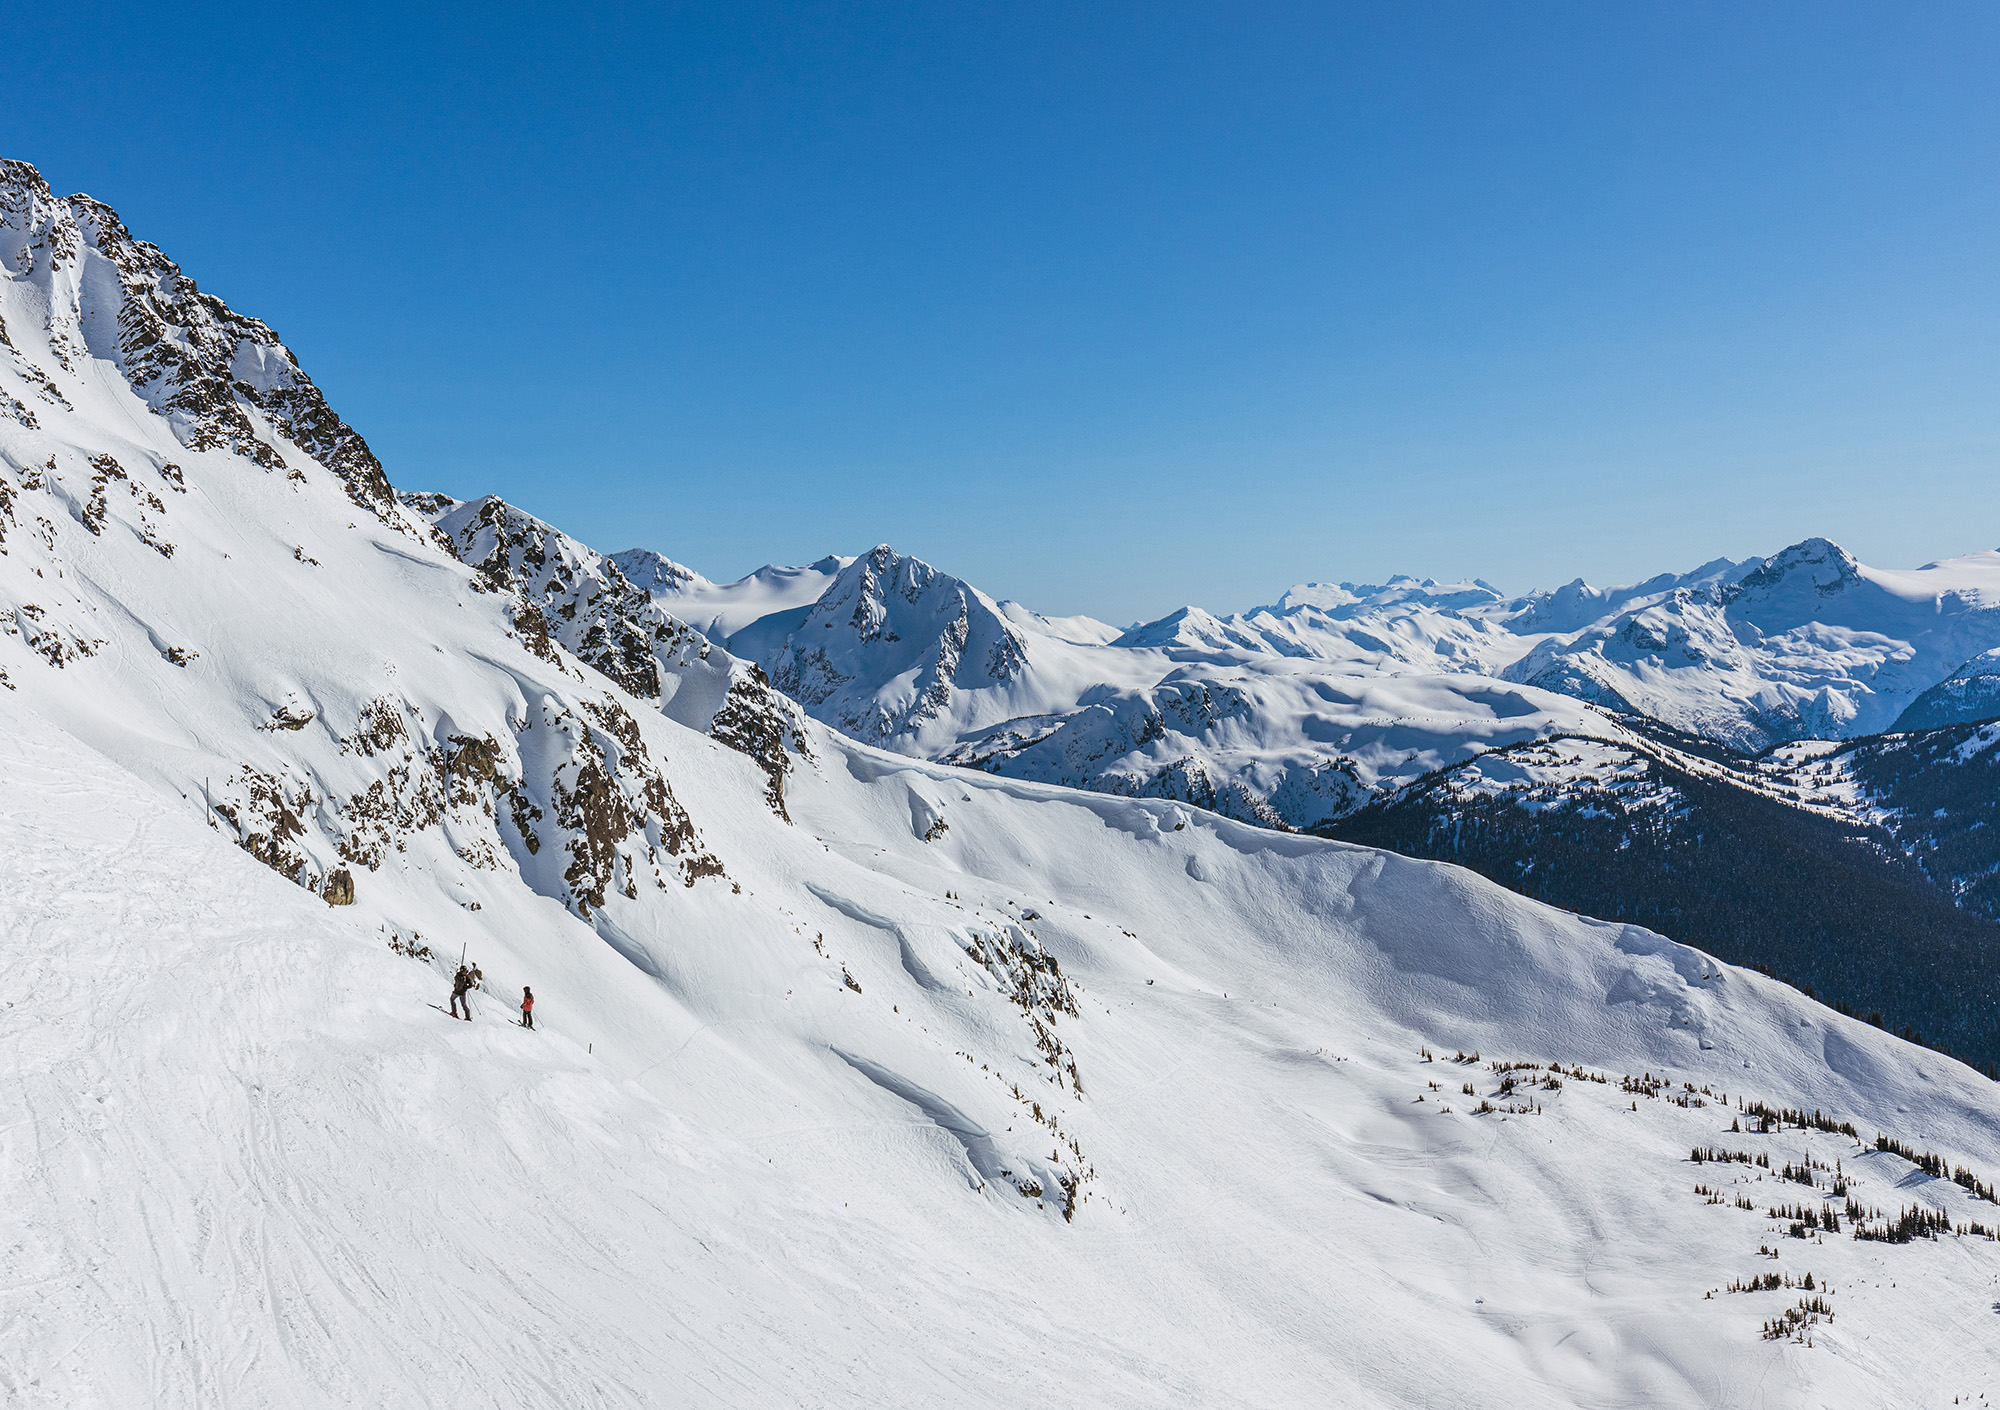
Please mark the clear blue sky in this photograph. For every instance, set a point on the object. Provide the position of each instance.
(1105, 307)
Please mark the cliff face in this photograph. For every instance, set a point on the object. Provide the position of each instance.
(221, 381)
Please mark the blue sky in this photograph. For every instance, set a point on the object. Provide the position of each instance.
(1109, 307)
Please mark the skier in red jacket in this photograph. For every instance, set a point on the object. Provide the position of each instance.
(527, 1007)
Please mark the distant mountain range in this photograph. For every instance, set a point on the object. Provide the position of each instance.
(1301, 712)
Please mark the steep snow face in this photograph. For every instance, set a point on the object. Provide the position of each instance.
(1160, 1081)
(578, 597)
(342, 696)
(347, 696)
(583, 600)
(1809, 643)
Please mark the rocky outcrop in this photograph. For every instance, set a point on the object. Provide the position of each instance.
(575, 598)
(220, 379)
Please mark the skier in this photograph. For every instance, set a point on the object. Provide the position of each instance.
(461, 982)
(527, 1007)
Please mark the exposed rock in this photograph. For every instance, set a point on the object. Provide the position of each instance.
(222, 381)
(575, 598)
(891, 618)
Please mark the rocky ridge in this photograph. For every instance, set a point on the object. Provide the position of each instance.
(575, 596)
(220, 380)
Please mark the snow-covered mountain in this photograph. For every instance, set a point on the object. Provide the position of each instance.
(916, 1084)
(1807, 644)
(1287, 716)
(771, 595)
(579, 598)
(1301, 712)
(1970, 693)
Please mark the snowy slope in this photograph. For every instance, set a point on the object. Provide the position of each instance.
(1860, 870)
(761, 1187)
(1972, 692)
(720, 610)
(910, 1085)
(577, 597)
(1275, 742)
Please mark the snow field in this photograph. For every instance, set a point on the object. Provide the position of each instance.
(250, 1162)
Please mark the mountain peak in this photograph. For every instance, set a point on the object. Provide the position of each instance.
(19, 178)
(652, 572)
(1821, 562)
(222, 381)
(890, 644)
(1184, 626)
